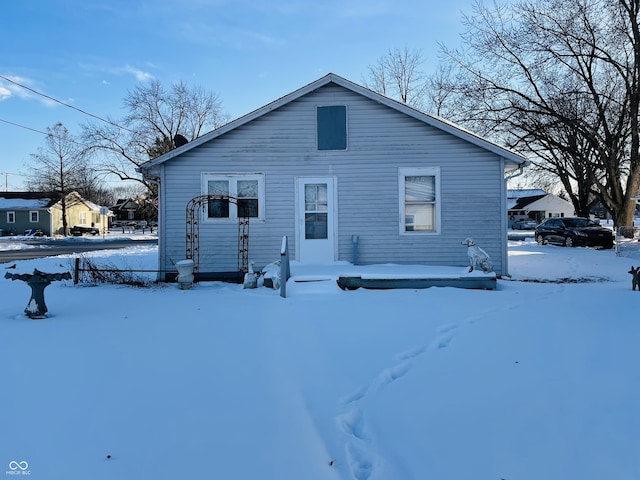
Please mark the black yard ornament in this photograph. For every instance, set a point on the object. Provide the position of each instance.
(38, 281)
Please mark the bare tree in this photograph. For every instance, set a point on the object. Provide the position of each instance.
(560, 79)
(60, 167)
(398, 75)
(155, 117)
(441, 93)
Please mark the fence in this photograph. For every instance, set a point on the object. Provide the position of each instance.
(87, 271)
(85, 268)
(628, 241)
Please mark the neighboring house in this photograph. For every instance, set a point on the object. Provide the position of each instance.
(132, 209)
(22, 212)
(540, 206)
(126, 209)
(345, 173)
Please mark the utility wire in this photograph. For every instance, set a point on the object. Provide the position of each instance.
(22, 126)
(39, 131)
(65, 104)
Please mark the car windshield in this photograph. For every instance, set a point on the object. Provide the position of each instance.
(579, 222)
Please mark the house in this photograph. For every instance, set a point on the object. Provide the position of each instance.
(344, 173)
(22, 212)
(126, 209)
(538, 206)
(136, 209)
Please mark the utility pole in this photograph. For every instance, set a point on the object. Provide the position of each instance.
(6, 180)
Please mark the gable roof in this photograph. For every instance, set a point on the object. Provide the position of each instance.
(524, 201)
(38, 200)
(512, 159)
(126, 204)
(547, 201)
(27, 200)
(524, 192)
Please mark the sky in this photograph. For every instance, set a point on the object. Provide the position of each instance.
(537, 379)
(89, 54)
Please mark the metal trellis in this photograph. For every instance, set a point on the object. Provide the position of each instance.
(195, 207)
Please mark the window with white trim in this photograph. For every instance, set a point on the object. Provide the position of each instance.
(34, 216)
(247, 190)
(419, 194)
(11, 217)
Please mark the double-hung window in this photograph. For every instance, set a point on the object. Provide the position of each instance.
(34, 216)
(419, 194)
(240, 196)
(11, 217)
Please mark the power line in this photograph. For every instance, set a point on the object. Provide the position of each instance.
(39, 131)
(65, 104)
(22, 126)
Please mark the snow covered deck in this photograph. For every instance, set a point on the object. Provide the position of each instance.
(389, 276)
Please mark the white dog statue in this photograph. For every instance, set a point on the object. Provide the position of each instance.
(477, 256)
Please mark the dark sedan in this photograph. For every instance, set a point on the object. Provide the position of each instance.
(78, 230)
(572, 232)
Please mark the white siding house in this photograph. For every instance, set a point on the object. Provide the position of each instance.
(329, 165)
(539, 207)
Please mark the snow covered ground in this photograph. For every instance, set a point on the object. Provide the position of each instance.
(538, 379)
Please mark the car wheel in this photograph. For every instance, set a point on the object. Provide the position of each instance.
(568, 242)
(540, 239)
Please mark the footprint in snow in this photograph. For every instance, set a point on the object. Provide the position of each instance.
(472, 320)
(352, 423)
(360, 462)
(442, 341)
(389, 375)
(409, 354)
(355, 396)
(449, 327)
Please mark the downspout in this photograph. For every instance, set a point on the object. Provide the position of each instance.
(503, 224)
(519, 171)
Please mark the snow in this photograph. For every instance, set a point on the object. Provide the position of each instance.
(535, 380)
(23, 203)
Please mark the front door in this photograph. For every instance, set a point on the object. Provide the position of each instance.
(316, 220)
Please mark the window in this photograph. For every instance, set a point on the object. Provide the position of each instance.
(419, 200)
(34, 216)
(331, 122)
(11, 217)
(83, 218)
(316, 207)
(247, 189)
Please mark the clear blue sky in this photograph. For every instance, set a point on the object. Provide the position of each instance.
(89, 53)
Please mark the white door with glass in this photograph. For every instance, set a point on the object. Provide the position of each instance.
(316, 220)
